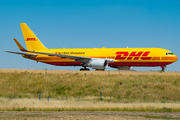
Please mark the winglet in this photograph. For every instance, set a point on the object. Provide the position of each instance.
(19, 45)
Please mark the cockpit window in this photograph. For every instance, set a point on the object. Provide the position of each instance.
(169, 54)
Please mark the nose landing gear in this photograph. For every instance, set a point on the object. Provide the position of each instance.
(163, 68)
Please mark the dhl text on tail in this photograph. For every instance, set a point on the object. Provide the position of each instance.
(96, 58)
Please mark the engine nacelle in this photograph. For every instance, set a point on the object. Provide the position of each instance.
(99, 64)
(124, 68)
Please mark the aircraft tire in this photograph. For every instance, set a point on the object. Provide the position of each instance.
(99, 69)
(82, 69)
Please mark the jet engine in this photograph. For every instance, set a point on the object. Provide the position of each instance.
(99, 64)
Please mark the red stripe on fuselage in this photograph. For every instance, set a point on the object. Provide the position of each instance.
(140, 64)
(65, 63)
(148, 64)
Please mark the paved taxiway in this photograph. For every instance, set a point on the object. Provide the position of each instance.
(93, 113)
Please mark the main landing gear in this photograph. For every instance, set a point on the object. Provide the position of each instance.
(99, 69)
(84, 69)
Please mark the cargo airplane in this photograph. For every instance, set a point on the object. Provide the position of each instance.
(96, 58)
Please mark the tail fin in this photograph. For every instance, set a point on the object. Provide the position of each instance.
(32, 42)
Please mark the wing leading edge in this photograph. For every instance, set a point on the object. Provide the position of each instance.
(76, 58)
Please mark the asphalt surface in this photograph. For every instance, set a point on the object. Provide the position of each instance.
(92, 113)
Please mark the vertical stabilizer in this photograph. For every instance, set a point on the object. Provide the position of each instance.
(32, 42)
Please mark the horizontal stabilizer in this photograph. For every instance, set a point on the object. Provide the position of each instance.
(21, 53)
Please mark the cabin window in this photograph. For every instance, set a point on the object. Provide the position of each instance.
(169, 54)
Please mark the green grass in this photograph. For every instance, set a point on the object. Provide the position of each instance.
(129, 87)
(128, 109)
(120, 88)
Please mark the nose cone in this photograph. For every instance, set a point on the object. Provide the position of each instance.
(176, 58)
(173, 58)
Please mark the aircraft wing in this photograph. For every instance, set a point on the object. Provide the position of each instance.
(76, 58)
(21, 53)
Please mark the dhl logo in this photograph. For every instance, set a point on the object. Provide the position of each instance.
(135, 55)
(31, 39)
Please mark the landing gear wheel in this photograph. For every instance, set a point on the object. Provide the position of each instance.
(84, 69)
(99, 69)
(162, 69)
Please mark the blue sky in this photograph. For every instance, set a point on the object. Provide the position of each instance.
(89, 24)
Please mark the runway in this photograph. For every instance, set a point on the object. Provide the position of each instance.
(92, 113)
(88, 115)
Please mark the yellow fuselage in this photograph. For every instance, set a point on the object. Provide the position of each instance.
(122, 56)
